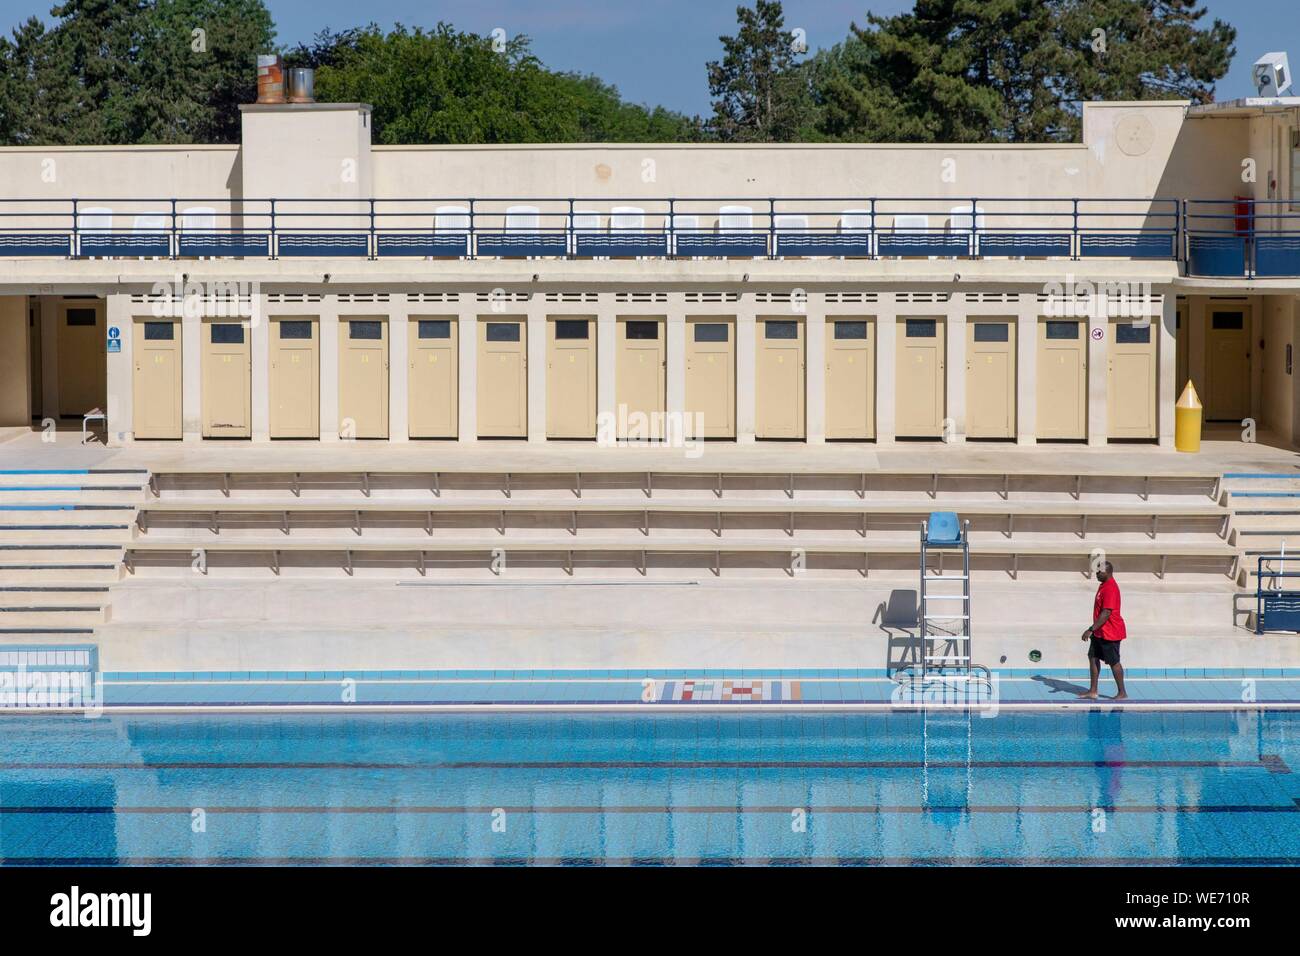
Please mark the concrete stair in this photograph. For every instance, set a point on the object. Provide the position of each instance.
(1265, 509)
(422, 569)
(634, 521)
(62, 537)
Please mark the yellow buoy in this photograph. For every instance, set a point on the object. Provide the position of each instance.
(1187, 420)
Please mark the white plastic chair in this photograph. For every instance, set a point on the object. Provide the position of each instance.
(853, 221)
(95, 220)
(199, 219)
(523, 219)
(452, 219)
(959, 221)
(583, 220)
(911, 222)
(627, 219)
(684, 222)
(735, 219)
(788, 222)
(150, 224)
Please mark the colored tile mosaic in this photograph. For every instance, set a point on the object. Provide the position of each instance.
(727, 691)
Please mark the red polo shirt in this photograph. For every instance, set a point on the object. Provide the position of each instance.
(1108, 596)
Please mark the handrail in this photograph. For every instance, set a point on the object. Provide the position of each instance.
(1285, 603)
(1242, 237)
(866, 227)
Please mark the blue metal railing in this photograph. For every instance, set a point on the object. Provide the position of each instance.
(1276, 608)
(1242, 237)
(1214, 237)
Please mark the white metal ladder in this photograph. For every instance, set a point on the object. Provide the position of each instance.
(946, 655)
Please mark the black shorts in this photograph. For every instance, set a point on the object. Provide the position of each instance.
(1105, 651)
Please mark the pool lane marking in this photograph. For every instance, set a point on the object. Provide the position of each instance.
(654, 809)
(1262, 763)
(651, 861)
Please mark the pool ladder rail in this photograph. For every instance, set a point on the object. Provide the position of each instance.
(946, 654)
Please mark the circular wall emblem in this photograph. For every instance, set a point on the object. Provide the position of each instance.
(1098, 334)
(1134, 134)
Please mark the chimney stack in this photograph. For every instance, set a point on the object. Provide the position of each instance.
(302, 85)
(270, 78)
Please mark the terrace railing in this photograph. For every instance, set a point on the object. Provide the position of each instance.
(1242, 237)
(1214, 237)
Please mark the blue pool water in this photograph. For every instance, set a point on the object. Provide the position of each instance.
(1069, 787)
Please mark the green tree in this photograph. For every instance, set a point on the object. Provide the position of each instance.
(447, 86)
(198, 64)
(326, 47)
(26, 86)
(1144, 49)
(132, 71)
(1012, 70)
(95, 45)
(759, 93)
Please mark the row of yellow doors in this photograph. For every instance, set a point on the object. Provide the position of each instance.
(1062, 389)
(502, 378)
(226, 369)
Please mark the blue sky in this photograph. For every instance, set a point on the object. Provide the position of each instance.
(654, 51)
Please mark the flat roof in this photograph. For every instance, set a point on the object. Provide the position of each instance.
(1246, 106)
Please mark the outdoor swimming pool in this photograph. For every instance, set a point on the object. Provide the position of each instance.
(1078, 786)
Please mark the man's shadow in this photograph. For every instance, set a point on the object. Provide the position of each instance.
(1058, 686)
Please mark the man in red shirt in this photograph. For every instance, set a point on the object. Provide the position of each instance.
(1106, 632)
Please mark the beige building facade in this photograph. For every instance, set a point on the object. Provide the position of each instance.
(322, 291)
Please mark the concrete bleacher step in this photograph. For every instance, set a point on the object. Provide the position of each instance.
(131, 476)
(217, 517)
(255, 519)
(44, 561)
(105, 572)
(752, 484)
(12, 496)
(63, 512)
(71, 533)
(41, 550)
(566, 554)
(61, 546)
(1268, 537)
(38, 592)
(69, 615)
(414, 538)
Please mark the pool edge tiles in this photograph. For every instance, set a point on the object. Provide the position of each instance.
(669, 689)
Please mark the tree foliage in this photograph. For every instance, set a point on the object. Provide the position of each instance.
(447, 86)
(760, 96)
(1012, 70)
(132, 71)
(175, 71)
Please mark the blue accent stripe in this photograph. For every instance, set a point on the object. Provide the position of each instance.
(67, 507)
(77, 488)
(45, 471)
(74, 471)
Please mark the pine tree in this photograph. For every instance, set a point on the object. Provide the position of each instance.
(1012, 70)
(760, 94)
(132, 71)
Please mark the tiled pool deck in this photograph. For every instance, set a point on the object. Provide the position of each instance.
(677, 688)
